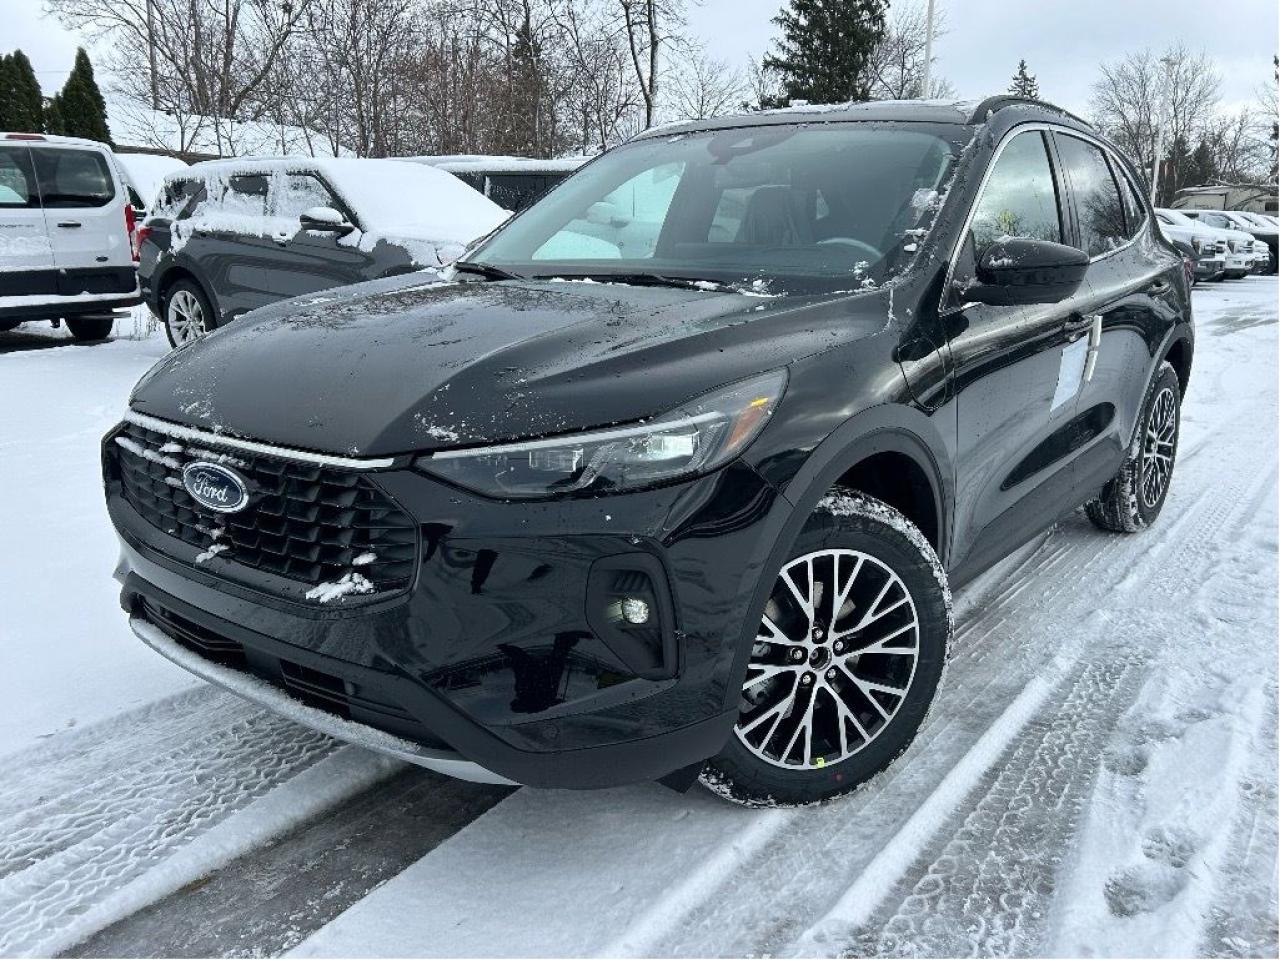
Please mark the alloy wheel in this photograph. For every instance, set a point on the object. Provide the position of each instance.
(832, 662)
(186, 316)
(1158, 447)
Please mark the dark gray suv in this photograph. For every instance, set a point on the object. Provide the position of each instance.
(228, 236)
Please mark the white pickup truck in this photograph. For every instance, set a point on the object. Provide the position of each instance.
(1209, 247)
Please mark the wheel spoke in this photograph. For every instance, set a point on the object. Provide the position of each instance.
(781, 722)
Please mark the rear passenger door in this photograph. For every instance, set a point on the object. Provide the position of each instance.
(84, 209)
(26, 256)
(230, 242)
(1012, 370)
(1134, 290)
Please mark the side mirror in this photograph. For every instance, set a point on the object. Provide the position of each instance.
(325, 219)
(1018, 270)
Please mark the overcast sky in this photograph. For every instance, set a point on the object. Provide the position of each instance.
(1063, 41)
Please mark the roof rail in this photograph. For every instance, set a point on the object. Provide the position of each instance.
(1002, 100)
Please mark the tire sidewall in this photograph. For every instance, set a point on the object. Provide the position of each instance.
(746, 778)
(1166, 378)
(210, 320)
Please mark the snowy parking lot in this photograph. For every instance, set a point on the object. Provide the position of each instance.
(1098, 776)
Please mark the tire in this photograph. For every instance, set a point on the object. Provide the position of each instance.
(87, 329)
(1132, 499)
(187, 313)
(884, 566)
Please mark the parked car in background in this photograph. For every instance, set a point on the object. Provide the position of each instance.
(676, 492)
(1241, 257)
(144, 174)
(228, 236)
(1207, 249)
(67, 247)
(511, 182)
(1263, 234)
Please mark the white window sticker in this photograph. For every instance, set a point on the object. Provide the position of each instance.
(1071, 372)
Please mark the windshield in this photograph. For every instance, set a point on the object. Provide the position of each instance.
(787, 208)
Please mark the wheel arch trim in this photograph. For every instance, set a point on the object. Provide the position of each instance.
(887, 428)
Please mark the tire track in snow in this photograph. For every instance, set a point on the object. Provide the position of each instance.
(115, 801)
(1204, 507)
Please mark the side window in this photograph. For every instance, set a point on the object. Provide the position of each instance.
(1019, 199)
(178, 198)
(246, 195)
(300, 192)
(73, 178)
(1135, 211)
(17, 180)
(1099, 209)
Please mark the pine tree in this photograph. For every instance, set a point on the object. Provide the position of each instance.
(21, 106)
(82, 111)
(1024, 84)
(7, 94)
(53, 122)
(825, 45)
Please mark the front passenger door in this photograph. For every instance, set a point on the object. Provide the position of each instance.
(309, 260)
(1016, 370)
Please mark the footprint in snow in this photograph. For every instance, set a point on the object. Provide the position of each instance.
(1142, 888)
(1170, 845)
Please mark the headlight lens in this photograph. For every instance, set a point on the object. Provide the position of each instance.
(702, 435)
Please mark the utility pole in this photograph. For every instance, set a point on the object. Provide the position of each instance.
(928, 52)
(1165, 103)
(151, 54)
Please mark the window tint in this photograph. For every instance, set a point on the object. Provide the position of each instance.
(300, 192)
(72, 178)
(1019, 199)
(1099, 209)
(1135, 212)
(17, 182)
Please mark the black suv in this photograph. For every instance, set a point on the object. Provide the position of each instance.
(673, 478)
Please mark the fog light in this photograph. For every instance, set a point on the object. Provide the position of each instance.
(634, 610)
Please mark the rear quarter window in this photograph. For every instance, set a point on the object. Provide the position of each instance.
(73, 178)
(17, 182)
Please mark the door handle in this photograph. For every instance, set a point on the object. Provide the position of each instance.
(69, 224)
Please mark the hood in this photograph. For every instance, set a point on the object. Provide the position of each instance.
(400, 365)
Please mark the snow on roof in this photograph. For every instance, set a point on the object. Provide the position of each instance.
(135, 124)
(390, 197)
(476, 163)
(146, 171)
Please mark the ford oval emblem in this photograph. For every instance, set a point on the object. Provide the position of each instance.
(215, 486)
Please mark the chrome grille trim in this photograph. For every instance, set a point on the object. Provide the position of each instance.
(180, 432)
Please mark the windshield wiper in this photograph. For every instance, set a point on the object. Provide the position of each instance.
(640, 280)
(486, 270)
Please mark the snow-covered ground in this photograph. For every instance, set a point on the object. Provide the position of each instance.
(1099, 776)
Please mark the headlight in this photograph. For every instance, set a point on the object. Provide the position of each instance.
(702, 435)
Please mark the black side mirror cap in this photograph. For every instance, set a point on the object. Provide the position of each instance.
(1019, 270)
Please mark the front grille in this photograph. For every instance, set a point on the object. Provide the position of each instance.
(332, 530)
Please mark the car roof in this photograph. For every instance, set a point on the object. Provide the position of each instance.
(959, 112)
(471, 163)
(53, 139)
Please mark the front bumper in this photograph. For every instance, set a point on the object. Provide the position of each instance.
(494, 654)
